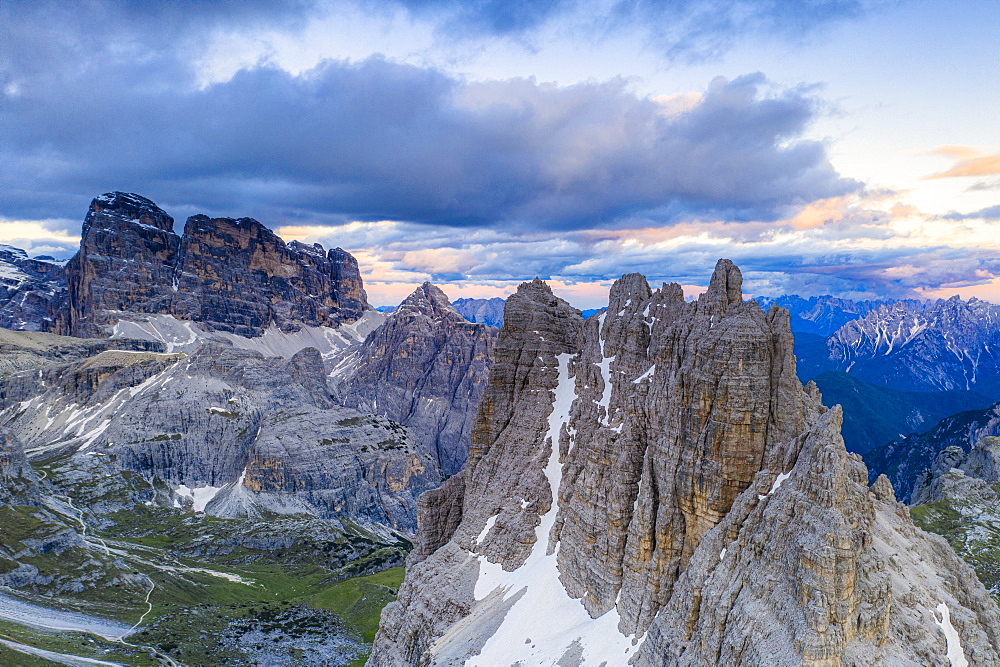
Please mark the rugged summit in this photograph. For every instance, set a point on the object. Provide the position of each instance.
(231, 275)
(822, 315)
(657, 485)
(426, 368)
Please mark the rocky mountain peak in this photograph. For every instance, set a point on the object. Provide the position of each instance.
(424, 367)
(429, 300)
(725, 287)
(658, 486)
(230, 274)
(129, 206)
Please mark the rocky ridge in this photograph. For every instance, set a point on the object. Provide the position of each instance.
(224, 430)
(32, 290)
(426, 368)
(904, 460)
(822, 315)
(958, 497)
(679, 499)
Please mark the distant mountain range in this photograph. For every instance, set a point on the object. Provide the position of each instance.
(821, 315)
(908, 345)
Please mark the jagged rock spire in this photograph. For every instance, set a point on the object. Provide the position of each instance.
(660, 473)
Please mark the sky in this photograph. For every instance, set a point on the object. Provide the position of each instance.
(847, 147)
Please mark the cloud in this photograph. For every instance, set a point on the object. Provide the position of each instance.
(382, 140)
(988, 213)
(679, 29)
(971, 165)
(39, 237)
(870, 246)
(474, 18)
(704, 29)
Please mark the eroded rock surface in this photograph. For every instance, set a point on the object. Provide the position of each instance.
(232, 275)
(426, 367)
(224, 430)
(32, 290)
(653, 486)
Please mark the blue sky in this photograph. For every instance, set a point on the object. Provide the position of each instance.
(827, 146)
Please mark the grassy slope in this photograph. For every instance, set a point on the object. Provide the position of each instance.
(972, 530)
(302, 590)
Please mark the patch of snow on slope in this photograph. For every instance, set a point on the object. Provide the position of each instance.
(177, 335)
(200, 495)
(605, 365)
(565, 619)
(956, 656)
(486, 531)
(774, 487)
(647, 374)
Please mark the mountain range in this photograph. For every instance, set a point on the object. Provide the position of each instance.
(213, 450)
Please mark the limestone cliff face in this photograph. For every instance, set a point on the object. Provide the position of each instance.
(224, 430)
(232, 275)
(653, 486)
(238, 276)
(426, 367)
(126, 261)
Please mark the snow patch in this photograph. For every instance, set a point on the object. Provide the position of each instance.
(956, 656)
(486, 531)
(774, 487)
(200, 495)
(565, 619)
(647, 374)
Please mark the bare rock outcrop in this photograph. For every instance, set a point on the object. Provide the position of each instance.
(653, 486)
(18, 481)
(231, 275)
(32, 290)
(426, 367)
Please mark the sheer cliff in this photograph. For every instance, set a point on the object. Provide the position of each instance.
(232, 275)
(653, 486)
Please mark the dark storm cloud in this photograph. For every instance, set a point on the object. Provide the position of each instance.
(378, 139)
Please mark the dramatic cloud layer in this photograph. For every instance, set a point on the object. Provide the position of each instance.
(860, 247)
(377, 139)
(427, 170)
